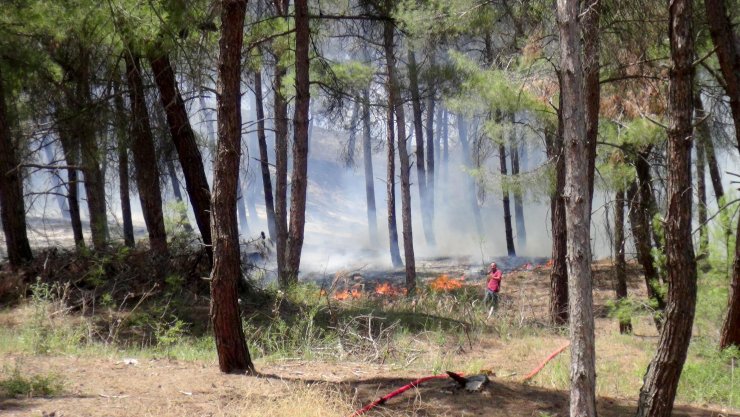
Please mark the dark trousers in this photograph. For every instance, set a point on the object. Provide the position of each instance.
(491, 298)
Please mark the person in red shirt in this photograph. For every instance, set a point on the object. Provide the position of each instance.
(493, 285)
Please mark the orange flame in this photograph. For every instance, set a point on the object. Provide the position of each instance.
(443, 283)
(346, 295)
(386, 289)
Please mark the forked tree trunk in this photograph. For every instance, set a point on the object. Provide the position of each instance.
(367, 153)
(462, 129)
(12, 207)
(264, 157)
(299, 177)
(661, 379)
(145, 159)
(233, 356)
(577, 213)
(510, 249)
(421, 174)
(620, 266)
(391, 146)
(184, 139)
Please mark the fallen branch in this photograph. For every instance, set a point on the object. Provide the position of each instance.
(536, 370)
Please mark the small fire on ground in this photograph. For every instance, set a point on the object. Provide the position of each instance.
(443, 283)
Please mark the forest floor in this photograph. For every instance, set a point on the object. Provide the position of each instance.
(309, 377)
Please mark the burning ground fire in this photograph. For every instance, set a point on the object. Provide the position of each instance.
(443, 283)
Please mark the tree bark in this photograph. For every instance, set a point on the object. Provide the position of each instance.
(591, 45)
(391, 154)
(620, 266)
(661, 380)
(12, 207)
(431, 141)
(701, 191)
(462, 129)
(421, 174)
(446, 143)
(577, 213)
(145, 160)
(521, 230)
(280, 114)
(71, 151)
(403, 157)
(188, 152)
(731, 328)
(726, 41)
(558, 273)
(122, 129)
(367, 153)
(299, 177)
(264, 158)
(233, 356)
(705, 139)
(640, 226)
(510, 249)
(90, 155)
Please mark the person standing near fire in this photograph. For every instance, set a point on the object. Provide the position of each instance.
(493, 285)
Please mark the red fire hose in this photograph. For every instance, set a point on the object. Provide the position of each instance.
(416, 383)
(401, 390)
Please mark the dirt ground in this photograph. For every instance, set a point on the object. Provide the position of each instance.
(95, 386)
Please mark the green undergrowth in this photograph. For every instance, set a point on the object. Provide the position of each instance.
(18, 382)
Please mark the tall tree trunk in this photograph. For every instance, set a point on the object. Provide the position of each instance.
(233, 356)
(704, 138)
(640, 226)
(281, 172)
(446, 142)
(559, 272)
(403, 157)
(299, 177)
(726, 41)
(661, 379)
(367, 153)
(731, 327)
(577, 213)
(122, 129)
(431, 142)
(521, 230)
(620, 266)
(352, 142)
(188, 152)
(462, 129)
(592, 86)
(264, 158)
(647, 196)
(12, 207)
(391, 161)
(419, 137)
(510, 250)
(241, 207)
(90, 155)
(71, 151)
(145, 161)
(701, 190)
